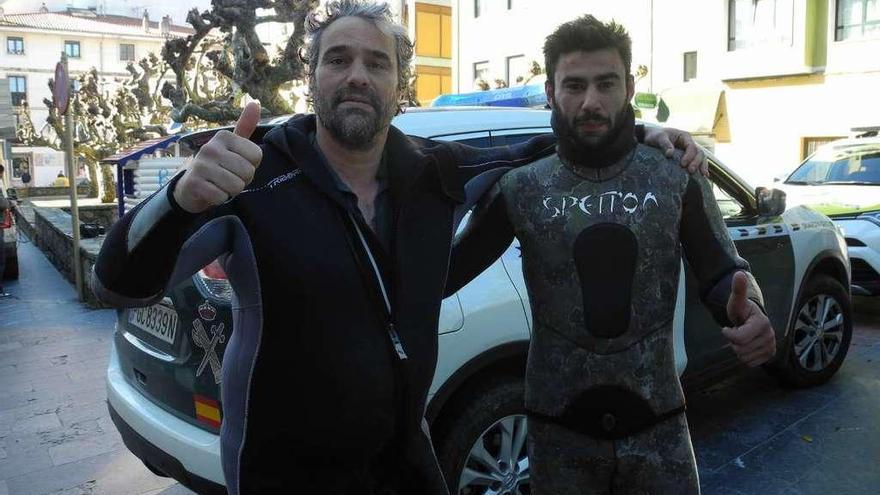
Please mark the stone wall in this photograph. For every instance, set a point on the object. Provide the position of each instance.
(105, 215)
(54, 236)
(82, 191)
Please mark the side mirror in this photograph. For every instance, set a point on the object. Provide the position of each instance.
(11, 193)
(771, 202)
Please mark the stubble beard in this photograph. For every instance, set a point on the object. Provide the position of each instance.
(355, 128)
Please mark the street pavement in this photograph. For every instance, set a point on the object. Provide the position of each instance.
(750, 435)
(56, 436)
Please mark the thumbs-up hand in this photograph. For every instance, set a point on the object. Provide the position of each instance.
(752, 338)
(223, 167)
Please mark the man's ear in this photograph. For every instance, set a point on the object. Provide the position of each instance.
(630, 87)
(548, 90)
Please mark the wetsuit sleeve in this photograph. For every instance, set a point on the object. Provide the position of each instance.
(710, 251)
(486, 236)
(152, 248)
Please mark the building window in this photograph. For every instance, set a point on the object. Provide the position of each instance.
(20, 165)
(759, 23)
(17, 89)
(432, 82)
(126, 52)
(481, 71)
(476, 8)
(857, 19)
(433, 31)
(809, 145)
(71, 48)
(517, 69)
(690, 66)
(15, 45)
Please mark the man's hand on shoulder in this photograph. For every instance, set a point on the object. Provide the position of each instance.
(667, 139)
(223, 167)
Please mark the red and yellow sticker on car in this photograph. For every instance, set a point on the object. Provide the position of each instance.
(207, 410)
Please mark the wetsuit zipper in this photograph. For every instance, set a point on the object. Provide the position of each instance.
(389, 323)
(399, 357)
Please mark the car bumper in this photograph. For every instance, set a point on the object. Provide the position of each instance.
(863, 241)
(182, 451)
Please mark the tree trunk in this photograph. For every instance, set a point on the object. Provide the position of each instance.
(93, 179)
(107, 174)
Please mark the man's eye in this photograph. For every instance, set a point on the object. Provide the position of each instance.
(606, 84)
(574, 87)
(335, 61)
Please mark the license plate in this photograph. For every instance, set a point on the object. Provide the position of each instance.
(159, 321)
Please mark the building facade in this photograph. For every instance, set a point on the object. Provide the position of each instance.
(762, 82)
(33, 43)
(430, 26)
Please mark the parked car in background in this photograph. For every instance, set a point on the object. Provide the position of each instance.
(10, 238)
(164, 373)
(842, 180)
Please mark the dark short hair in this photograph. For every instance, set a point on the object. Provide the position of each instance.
(587, 34)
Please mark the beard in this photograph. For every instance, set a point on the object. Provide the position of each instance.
(573, 144)
(354, 127)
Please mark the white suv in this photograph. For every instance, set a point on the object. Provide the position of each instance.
(163, 398)
(842, 180)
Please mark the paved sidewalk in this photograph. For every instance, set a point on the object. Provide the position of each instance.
(56, 436)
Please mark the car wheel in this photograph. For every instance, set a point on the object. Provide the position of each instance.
(819, 336)
(482, 449)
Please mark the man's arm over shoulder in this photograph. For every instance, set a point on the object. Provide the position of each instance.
(484, 239)
(140, 252)
(709, 250)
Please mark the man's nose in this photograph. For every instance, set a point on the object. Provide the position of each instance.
(592, 100)
(358, 75)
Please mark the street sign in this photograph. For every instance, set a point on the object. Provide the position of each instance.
(61, 91)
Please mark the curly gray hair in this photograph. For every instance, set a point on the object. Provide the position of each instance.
(379, 14)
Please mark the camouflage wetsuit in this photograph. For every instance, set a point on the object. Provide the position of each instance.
(601, 251)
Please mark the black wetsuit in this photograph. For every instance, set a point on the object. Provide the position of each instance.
(326, 376)
(602, 245)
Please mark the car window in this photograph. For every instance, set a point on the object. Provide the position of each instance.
(841, 165)
(511, 139)
(728, 205)
(480, 142)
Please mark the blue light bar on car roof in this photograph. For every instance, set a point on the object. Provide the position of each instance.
(518, 96)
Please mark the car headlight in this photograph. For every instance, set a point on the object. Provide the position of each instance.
(871, 216)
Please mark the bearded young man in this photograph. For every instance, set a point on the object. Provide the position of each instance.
(335, 235)
(602, 225)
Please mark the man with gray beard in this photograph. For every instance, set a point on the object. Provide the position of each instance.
(335, 234)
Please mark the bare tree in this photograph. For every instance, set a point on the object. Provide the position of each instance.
(104, 122)
(239, 56)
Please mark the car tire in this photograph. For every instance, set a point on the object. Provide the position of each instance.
(485, 413)
(802, 363)
(11, 270)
